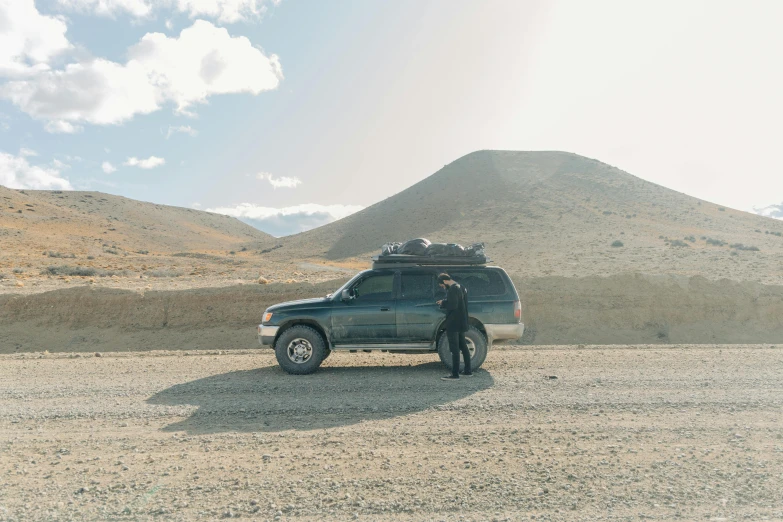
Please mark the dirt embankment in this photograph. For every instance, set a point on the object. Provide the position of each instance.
(623, 309)
(639, 309)
(101, 319)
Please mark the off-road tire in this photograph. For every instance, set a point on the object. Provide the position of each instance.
(310, 338)
(479, 354)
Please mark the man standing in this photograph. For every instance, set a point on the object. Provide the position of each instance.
(456, 324)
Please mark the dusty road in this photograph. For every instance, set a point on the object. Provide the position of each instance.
(622, 433)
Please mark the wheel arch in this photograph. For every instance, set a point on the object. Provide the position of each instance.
(472, 321)
(315, 325)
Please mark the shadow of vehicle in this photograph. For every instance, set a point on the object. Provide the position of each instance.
(269, 400)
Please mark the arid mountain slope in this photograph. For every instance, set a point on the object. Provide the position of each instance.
(80, 222)
(556, 213)
(52, 239)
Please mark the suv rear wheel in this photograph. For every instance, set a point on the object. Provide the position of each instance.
(300, 350)
(477, 344)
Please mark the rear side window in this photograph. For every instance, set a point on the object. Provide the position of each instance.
(417, 286)
(480, 283)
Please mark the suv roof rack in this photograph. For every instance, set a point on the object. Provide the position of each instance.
(406, 260)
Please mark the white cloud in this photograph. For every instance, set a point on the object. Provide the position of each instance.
(195, 205)
(60, 165)
(62, 127)
(108, 168)
(773, 211)
(17, 173)
(137, 8)
(287, 220)
(149, 163)
(282, 181)
(184, 129)
(225, 11)
(26, 153)
(186, 70)
(28, 39)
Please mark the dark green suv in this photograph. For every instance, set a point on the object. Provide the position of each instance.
(392, 308)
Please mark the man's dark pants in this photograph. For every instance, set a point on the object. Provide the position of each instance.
(457, 343)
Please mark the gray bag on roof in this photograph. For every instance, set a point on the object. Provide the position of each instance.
(414, 247)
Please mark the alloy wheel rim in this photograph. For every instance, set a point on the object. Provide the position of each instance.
(300, 351)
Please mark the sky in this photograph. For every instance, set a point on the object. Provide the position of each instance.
(289, 114)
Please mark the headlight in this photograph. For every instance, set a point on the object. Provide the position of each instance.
(267, 317)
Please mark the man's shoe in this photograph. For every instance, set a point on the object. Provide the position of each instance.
(466, 374)
(450, 378)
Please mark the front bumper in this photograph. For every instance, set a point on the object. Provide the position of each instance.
(267, 334)
(504, 332)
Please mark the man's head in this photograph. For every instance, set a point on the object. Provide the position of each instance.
(444, 280)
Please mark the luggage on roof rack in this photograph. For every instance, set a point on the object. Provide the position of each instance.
(420, 251)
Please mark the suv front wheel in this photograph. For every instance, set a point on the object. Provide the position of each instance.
(477, 344)
(300, 350)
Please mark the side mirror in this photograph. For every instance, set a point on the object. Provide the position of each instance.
(346, 295)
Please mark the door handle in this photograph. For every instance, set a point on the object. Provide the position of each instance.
(384, 309)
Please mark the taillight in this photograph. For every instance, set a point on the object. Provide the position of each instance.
(518, 310)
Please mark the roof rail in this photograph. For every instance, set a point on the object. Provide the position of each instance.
(405, 260)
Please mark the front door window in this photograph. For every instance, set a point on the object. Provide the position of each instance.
(369, 316)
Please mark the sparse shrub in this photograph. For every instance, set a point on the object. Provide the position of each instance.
(60, 255)
(232, 253)
(3, 276)
(163, 273)
(111, 251)
(734, 253)
(143, 252)
(18, 271)
(716, 242)
(70, 270)
(267, 250)
(722, 209)
(690, 238)
(84, 271)
(617, 243)
(90, 257)
(740, 246)
(607, 212)
(757, 230)
(703, 238)
(243, 249)
(678, 243)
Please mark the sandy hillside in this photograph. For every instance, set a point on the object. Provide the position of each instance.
(56, 239)
(556, 213)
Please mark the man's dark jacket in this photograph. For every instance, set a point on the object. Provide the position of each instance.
(456, 307)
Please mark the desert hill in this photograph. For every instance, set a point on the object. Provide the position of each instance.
(80, 222)
(557, 213)
(52, 239)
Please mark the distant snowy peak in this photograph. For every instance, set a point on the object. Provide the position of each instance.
(773, 211)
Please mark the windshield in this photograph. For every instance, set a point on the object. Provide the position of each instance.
(346, 285)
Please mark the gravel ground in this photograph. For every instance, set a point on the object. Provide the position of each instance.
(557, 433)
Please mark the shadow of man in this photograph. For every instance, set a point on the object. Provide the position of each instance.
(269, 400)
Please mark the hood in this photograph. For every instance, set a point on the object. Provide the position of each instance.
(299, 303)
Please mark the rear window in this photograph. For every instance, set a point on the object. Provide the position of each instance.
(480, 283)
(417, 286)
